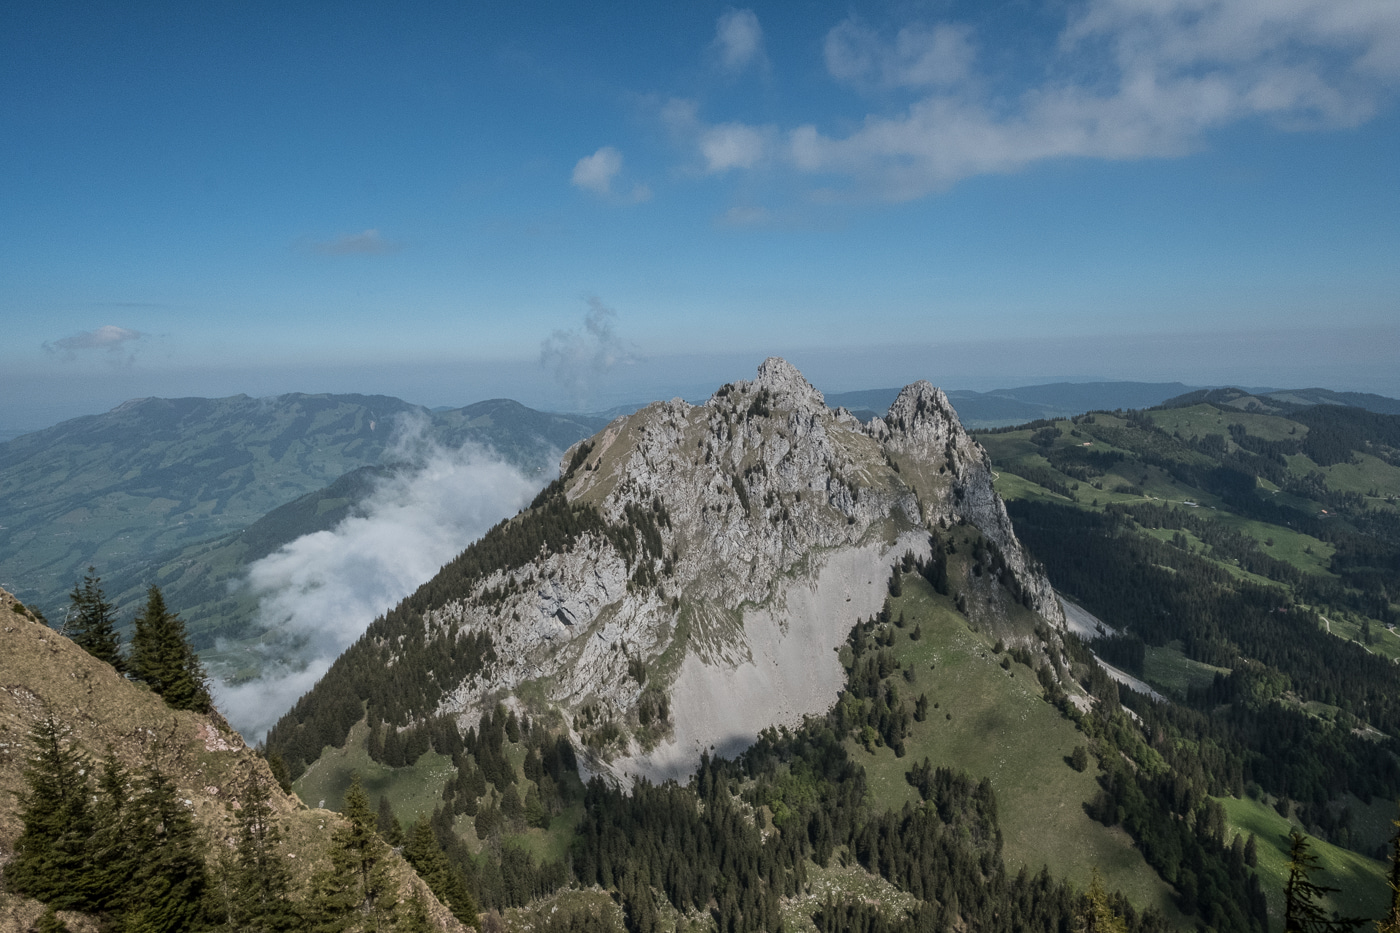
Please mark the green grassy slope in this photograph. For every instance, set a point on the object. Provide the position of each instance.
(1360, 880)
(993, 722)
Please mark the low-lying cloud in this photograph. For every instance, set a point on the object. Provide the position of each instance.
(323, 590)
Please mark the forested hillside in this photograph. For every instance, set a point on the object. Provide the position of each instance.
(1247, 565)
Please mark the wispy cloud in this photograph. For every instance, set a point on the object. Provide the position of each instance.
(579, 358)
(746, 216)
(733, 145)
(738, 41)
(597, 172)
(116, 343)
(324, 589)
(364, 243)
(1126, 79)
(917, 56)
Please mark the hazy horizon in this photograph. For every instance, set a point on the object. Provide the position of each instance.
(580, 207)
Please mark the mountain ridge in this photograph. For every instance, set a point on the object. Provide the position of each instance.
(693, 524)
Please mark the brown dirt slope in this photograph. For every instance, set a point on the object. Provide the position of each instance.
(42, 674)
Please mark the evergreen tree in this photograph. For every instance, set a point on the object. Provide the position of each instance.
(1391, 923)
(357, 879)
(166, 890)
(50, 923)
(423, 852)
(51, 861)
(415, 918)
(92, 621)
(1097, 914)
(1301, 911)
(388, 825)
(280, 773)
(261, 879)
(161, 657)
(111, 843)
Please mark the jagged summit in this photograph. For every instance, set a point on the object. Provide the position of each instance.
(787, 385)
(716, 554)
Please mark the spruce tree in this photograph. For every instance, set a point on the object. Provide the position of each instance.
(92, 621)
(162, 658)
(357, 879)
(388, 825)
(50, 923)
(261, 879)
(51, 861)
(166, 891)
(1391, 923)
(423, 852)
(1097, 915)
(111, 845)
(1301, 911)
(416, 916)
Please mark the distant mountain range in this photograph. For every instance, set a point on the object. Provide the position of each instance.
(1003, 407)
(188, 492)
(128, 490)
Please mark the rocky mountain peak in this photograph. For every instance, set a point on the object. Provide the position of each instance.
(717, 555)
(787, 385)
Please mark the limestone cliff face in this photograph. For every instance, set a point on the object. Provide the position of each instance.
(764, 525)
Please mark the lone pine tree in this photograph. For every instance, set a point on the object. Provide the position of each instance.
(162, 658)
(357, 879)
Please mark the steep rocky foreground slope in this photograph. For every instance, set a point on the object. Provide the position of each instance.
(687, 581)
(43, 674)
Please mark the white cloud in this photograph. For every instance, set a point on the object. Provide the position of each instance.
(732, 145)
(596, 172)
(107, 337)
(919, 56)
(738, 41)
(117, 343)
(579, 358)
(324, 589)
(1127, 79)
(364, 243)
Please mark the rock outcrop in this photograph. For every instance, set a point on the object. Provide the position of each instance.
(750, 533)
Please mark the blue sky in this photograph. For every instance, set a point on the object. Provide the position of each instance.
(579, 206)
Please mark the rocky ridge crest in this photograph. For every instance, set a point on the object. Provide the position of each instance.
(762, 524)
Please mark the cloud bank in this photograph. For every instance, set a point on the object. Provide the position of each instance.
(323, 590)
